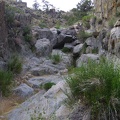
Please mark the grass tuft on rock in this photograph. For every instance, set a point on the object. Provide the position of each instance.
(6, 78)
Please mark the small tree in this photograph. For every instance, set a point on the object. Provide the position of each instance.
(84, 5)
(36, 5)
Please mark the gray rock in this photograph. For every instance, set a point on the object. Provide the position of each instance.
(77, 50)
(65, 58)
(3, 65)
(46, 105)
(69, 46)
(76, 42)
(114, 41)
(43, 70)
(63, 112)
(43, 33)
(36, 82)
(23, 91)
(43, 47)
(85, 57)
(91, 41)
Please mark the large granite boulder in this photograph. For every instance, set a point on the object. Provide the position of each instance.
(85, 58)
(43, 47)
(114, 41)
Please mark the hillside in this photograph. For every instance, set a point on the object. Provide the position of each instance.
(57, 65)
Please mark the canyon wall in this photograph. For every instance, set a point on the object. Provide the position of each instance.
(106, 9)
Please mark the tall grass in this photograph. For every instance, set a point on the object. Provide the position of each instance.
(15, 64)
(98, 85)
(5, 81)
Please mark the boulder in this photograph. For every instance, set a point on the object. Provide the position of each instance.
(23, 91)
(45, 105)
(68, 46)
(43, 47)
(114, 41)
(66, 59)
(91, 41)
(85, 57)
(77, 50)
(43, 33)
(76, 42)
(61, 39)
(43, 70)
(36, 82)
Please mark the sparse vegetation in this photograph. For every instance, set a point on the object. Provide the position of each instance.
(15, 64)
(111, 22)
(48, 85)
(98, 85)
(55, 58)
(6, 78)
(42, 24)
(27, 33)
(82, 36)
(66, 50)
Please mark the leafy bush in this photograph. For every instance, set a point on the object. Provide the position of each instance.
(48, 85)
(56, 58)
(15, 64)
(5, 82)
(98, 85)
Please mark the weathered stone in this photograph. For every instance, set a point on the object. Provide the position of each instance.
(43, 70)
(23, 91)
(92, 42)
(85, 57)
(117, 24)
(3, 33)
(77, 50)
(43, 47)
(68, 46)
(76, 42)
(36, 82)
(45, 105)
(114, 41)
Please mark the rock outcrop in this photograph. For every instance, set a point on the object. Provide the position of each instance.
(3, 33)
(106, 9)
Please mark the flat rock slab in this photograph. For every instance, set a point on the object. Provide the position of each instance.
(23, 91)
(46, 105)
(36, 82)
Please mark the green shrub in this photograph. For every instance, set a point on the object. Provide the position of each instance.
(10, 13)
(82, 35)
(26, 30)
(43, 25)
(98, 85)
(27, 33)
(48, 85)
(28, 37)
(15, 64)
(6, 78)
(66, 50)
(56, 58)
(111, 22)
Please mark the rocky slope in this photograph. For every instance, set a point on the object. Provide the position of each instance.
(40, 67)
